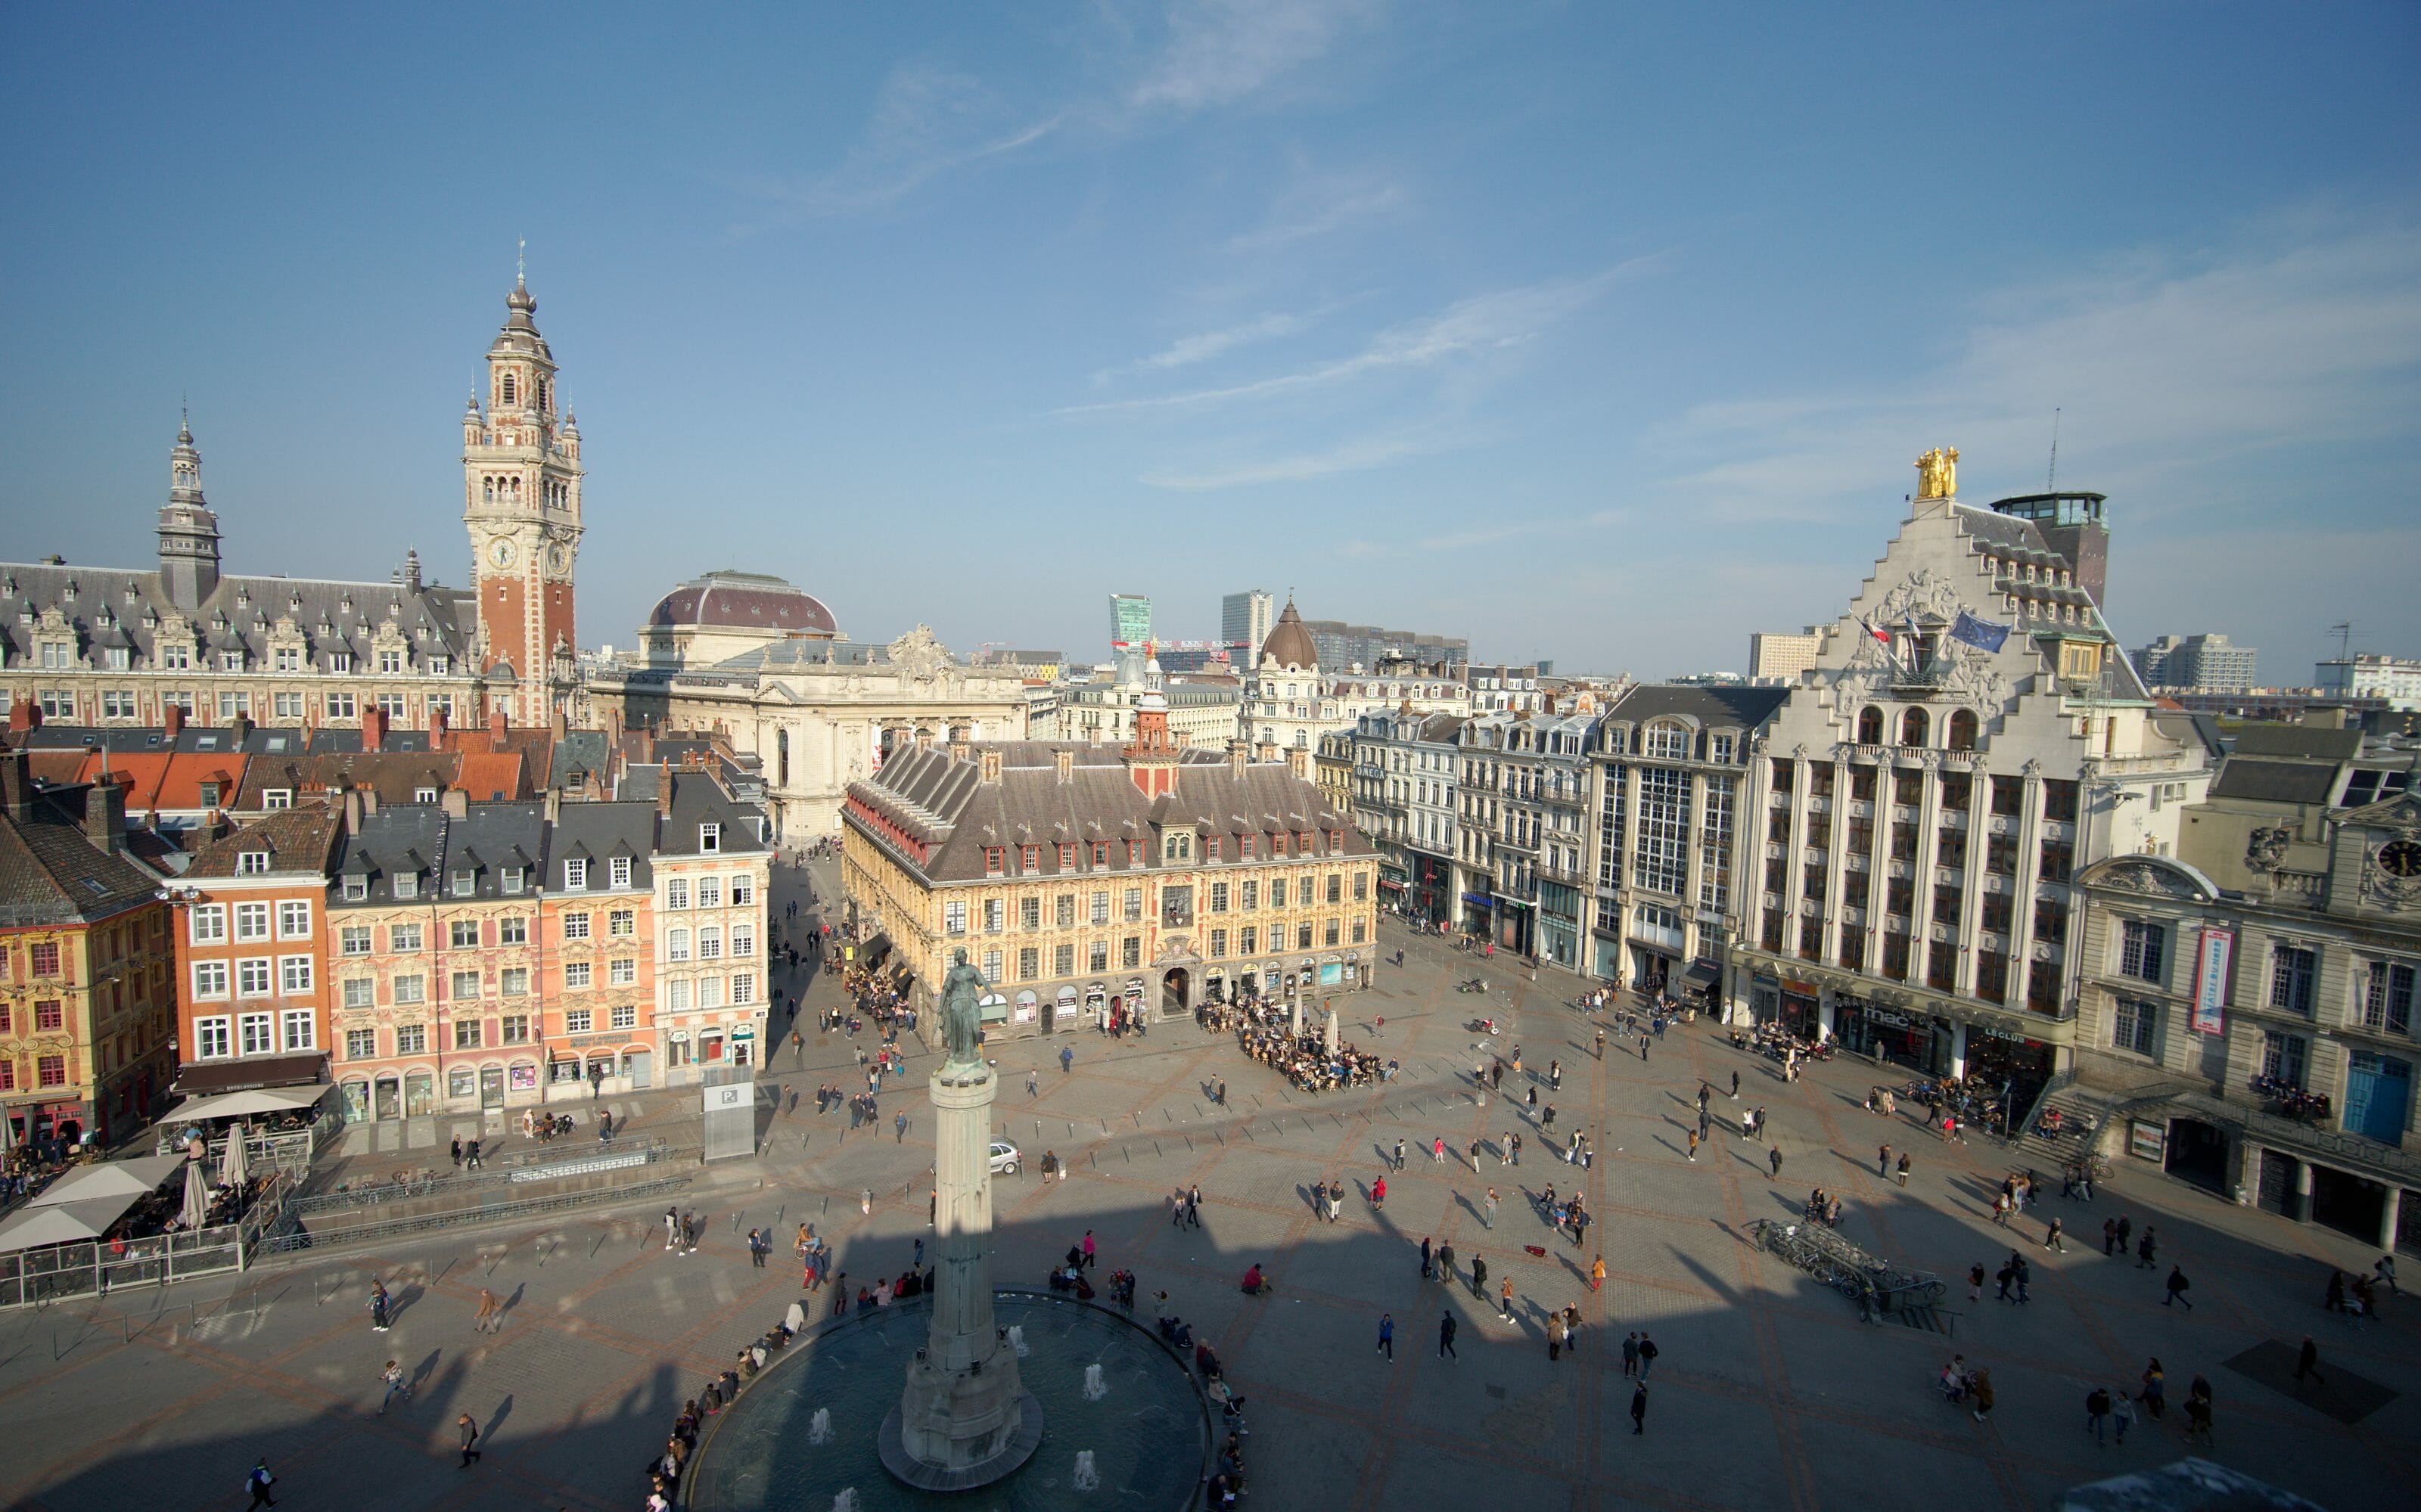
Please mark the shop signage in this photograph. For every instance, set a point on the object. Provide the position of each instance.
(1893, 1018)
(1802, 989)
(2146, 1141)
(1991, 1032)
(732, 1095)
(2212, 959)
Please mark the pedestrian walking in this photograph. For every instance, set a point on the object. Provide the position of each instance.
(488, 1320)
(2096, 1413)
(2143, 1249)
(1631, 1353)
(392, 1377)
(2126, 1232)
(1882, 1162)
(1596, 1274)
(2155, 1395)
(471, 1155)
(470, 1439)
(1387, 1336)
(1399, 1154)
(1555, 1076)
(1474, 1152)
(1066, 1059)
(1694, 1145)
(458, 1152)
(2385, 1270)
(1425, 1258)
(1444, 1267)
(1089, 1256)
(2050, 1238)
(1642, 1048)
(2000, 1209)
(1773, 1162)
(1647, 1355)
(2177, 1286)
(1902, 1168)
(379, 1304)
(1761, 1131)
(2308, 1364)
(258, 1481)
(1488, 1210)
(1639, 1405)
(1194, 1208)
(1505, 1298)
(1379, 1194)
(2122, 1417)
(2109, 1235)
(1437, 1150)
(1982, 1393)
(1033, 1082)
(1478, 1276)
(1445, 1336)
(1735, 1085)
(1975, 1282)
(1555, 1336)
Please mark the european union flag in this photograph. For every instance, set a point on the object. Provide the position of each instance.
(1981, 634)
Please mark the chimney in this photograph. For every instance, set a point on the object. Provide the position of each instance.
(557, 723)
(373, 729)
(24, 716)
(1299, 761)
(369, 799)
(496, 727)
(554, 804)
(437, 727)
(1266, 751)
(664, 790)
(1238, 753)
(172, 720)
(17, 783)
(455, 803)
(647, 742)
(988, 764)
(240, 728)
(1064, 762)
(352, 811)
(105, 815)
(962, 751)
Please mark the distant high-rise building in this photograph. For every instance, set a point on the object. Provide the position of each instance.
(1774, 658)
(2205, 664)
(1343, 646)
(2396, 678)
(1130, 620)
(1244, 620)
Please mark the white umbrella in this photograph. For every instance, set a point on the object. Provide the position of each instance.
(1331, 1033)
(196, 1211)
(233, 1164)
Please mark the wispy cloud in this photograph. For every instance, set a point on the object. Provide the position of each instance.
(1486, 323)
(1350, 456)
(925, 121)
(1330, 209)
(1203, 346)
(2161, 365)
(1222, 51)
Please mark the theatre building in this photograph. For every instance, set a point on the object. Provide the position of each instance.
(1086, 879)
(1969, 738)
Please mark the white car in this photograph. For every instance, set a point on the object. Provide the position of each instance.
(1006, 1160)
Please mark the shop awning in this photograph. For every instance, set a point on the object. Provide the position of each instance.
(64, 1224)
(1480, 898)
(876, 948)
(111, 1179)
(1702, 974)
(1391, 884)
(204, 1077)
(260, 1102)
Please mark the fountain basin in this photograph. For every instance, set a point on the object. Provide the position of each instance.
(1149, 1432)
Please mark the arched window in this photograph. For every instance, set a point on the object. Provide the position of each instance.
(508, 388)
(1961, 734)
(486, 491)
(542, 392)
(1912, 727)
(1871, 725)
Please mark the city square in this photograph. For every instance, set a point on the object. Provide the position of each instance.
(1769, 1390)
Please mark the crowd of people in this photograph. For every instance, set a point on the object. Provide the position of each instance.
(1264, 1032)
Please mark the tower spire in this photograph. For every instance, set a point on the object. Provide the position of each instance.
(521, 264)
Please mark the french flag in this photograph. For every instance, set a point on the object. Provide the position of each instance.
(1869, 626)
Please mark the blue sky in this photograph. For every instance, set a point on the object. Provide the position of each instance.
(1600, 333)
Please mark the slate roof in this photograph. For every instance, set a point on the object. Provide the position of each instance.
(577, 755)
(2275, 782)
(700, 798)
(597, 832)
(2308, 741)
(1713, 707)
(421, 839)
(110, 606)
(944, 802)
(50, 874)
(395, 777)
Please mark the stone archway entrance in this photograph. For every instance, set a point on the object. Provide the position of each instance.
(1174, 993)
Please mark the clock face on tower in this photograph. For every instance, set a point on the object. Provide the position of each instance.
(501, 553)
(2402, 859)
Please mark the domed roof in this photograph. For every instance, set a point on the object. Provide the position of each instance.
(744, 600)
(1290, 643)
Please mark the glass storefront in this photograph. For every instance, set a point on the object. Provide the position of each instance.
(1917, 1041)
(1997, 1058)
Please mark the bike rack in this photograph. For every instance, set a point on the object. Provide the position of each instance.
(1874, 1284)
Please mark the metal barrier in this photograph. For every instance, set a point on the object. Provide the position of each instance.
(1869, 1281)
(485, 1212)
(594, 1157)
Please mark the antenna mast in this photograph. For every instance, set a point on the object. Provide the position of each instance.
(2343, 631)
(2051, 483)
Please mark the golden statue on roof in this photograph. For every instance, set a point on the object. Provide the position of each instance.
(1937, 474)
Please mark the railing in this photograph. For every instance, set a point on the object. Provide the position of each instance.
(2270, 1129)
(91, 1268)
(517, 1172)
(484, 1212)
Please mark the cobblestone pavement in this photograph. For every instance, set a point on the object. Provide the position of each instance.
(1768, 1393)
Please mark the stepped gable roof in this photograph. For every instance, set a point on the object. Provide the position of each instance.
(941, 802)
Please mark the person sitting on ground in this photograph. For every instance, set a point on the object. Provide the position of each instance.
(1253, 1280)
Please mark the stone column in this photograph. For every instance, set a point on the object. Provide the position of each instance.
(964, 1418)
(2298, 1207)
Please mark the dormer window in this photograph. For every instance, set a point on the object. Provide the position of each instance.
(575, 873)
(509, 879)
(356, 889)
(407, 884)
(209, 795)
(465, 881)
(710, 838)
(340, 661)
(277, 798)
(251, 863)
(423, 795)
(618, 870)
(391, 662)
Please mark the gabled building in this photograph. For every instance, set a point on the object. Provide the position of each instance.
(710, 868)
(87, 970)
(1404, 767)
(598, 924)
(252, 946)
(2248, 1017)
(1969, 737)
(1082, 879)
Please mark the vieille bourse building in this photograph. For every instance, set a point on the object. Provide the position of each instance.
(1075, 875)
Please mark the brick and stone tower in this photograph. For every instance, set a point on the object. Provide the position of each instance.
(521, 501)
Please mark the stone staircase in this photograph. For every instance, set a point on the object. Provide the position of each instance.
(2084, 1112)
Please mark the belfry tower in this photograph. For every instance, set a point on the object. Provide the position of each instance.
(521, 501)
